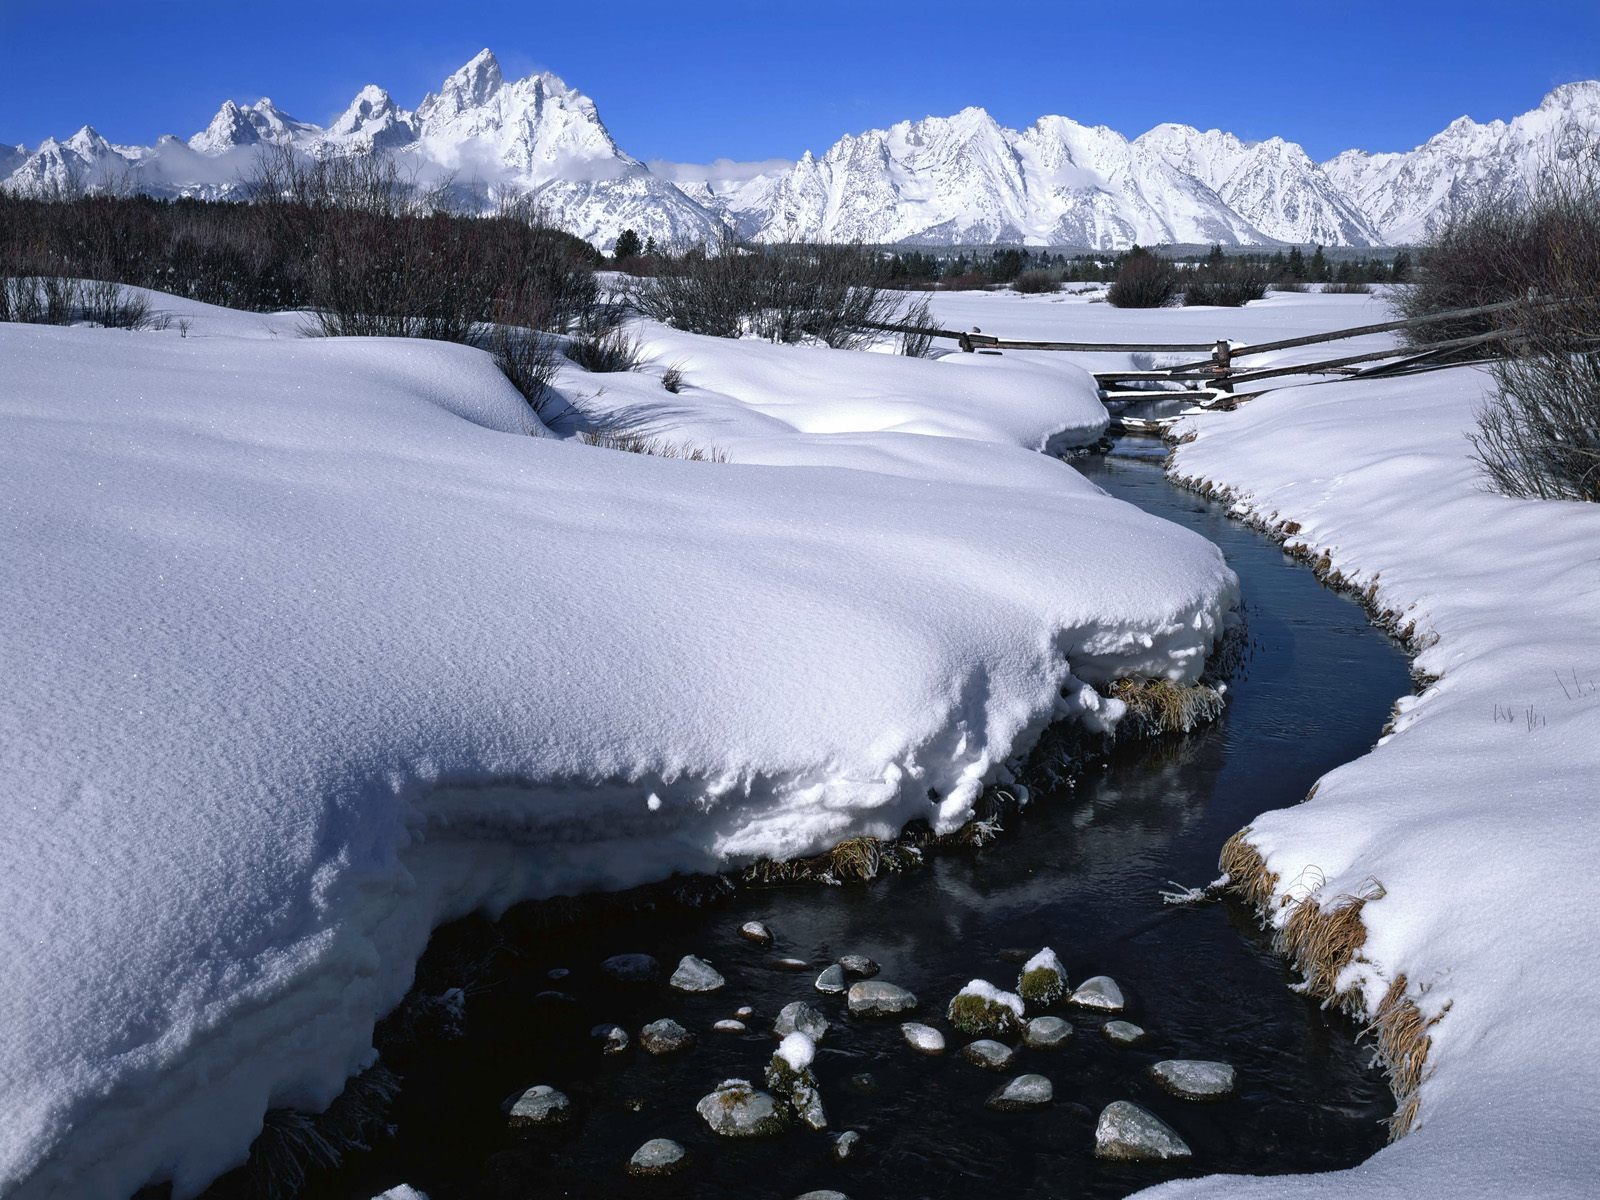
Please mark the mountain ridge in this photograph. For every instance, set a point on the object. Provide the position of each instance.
(958, 179)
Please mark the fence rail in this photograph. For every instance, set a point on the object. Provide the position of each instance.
(1221, 371)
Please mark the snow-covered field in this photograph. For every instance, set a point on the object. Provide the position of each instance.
(310, 645)
(1474, 822)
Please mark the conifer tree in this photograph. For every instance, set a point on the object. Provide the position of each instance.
(628, 245)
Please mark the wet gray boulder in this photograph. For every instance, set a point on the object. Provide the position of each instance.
(858, 965)
(737, 1110)
(1023, 1092)
(696, 975)
(800, 1017)
(791, 964)
(613, 1039)
(822, 1194)
(658, 1156)
(846, 1146)
(988, 1054)
(1046, 1033)
(539, 1106)
(924, 1039)
(1123, 1033)
(1100, 992)
(874, 998)
(1194, 1079)
(831, 981)
(665, 1036)
(1129, 1133)
(755, 931)
(729, 1025)
(632, 968)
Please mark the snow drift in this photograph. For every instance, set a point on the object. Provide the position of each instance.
(1471, 827)
(311, 645)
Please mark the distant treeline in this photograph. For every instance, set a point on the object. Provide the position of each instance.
(340, 236)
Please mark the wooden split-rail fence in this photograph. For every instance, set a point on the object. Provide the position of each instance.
(1221, 372)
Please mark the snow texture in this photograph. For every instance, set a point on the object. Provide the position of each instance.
(797, 1050)
(313, 644)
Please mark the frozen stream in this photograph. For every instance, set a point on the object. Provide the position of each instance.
(1080, 872)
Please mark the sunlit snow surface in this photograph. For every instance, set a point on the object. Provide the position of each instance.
(310, 645)
(1476, 818)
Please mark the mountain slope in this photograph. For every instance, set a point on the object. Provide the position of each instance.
(962, 179)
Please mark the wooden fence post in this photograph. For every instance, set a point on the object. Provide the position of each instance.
(1222, 359)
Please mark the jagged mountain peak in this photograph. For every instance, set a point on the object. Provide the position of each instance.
(960, 178)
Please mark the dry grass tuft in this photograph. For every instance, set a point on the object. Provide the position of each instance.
(1323, 941)
(856, 859)
(1159, 706)
(1403, 1044)
(1248, 877)
(632, 442)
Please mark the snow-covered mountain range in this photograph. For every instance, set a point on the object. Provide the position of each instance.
(961, 179)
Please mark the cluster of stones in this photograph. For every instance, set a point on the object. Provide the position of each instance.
(993, 1018)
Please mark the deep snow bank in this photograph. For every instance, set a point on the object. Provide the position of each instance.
(309, 646)
(1476, 818)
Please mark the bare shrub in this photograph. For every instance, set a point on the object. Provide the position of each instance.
(1144, 280)
(672, 379)
(610, 348)
(1540, 435)
(1228, 283)
(112, 305)
(528, 359)
(1347, 289)
(832, 294)
(1036, 282)
(916, 340)
(1288, 285)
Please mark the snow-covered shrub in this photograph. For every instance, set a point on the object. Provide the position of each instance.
(1144, 280)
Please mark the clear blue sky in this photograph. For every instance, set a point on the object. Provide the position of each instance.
(692, 81)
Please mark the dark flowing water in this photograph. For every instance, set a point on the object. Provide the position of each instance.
(1080, 871)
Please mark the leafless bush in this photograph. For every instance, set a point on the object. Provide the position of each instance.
(112, 305)
(348, 236)
(672, 379)
(1288, 285)
(1346, 289)
(1228, 284)
(609, 348)
(832, 294)
(1540, 435)
(528, 359)
(1036, 282)
(1144, 280)
(917, 340)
